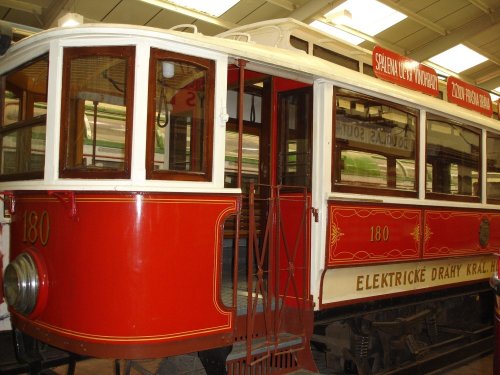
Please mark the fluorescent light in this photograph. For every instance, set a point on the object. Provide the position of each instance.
(70, 20)
(214, 8)
(340, 34)
(368, 16)
(458, 58)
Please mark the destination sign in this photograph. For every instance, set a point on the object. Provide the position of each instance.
(404, 71)
(469, 96)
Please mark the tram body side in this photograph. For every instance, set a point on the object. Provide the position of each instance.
(137, 274)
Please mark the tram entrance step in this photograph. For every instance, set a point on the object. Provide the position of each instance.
(261, 346)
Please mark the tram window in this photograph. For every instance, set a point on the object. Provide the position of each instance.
(23, 120)
(335, 58)
(295, 150)
(96, 119)
(250, 158)
(452, 159)
(300, 44)
(493, 168)
(375, 145)
(180, 117)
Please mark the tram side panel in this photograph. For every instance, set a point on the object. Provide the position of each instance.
(379, 251)
(131, 275)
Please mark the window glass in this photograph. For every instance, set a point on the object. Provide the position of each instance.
(493, 167)
(250, 159)
(374, 144)
(97, 112)
(295, 124)
(452, 158)
(180, 117)
(23, 120)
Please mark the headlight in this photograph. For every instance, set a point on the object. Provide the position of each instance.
(21, 284)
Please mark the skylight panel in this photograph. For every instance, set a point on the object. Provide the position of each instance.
(368, 16)
(214, 8)
(458, 58)
(336, 32)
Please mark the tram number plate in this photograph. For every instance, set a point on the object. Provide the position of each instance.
(36, 227)
(379, 233)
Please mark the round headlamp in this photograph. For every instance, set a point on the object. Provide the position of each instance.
(21, 284)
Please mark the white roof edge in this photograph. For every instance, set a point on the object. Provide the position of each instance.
(270, 56)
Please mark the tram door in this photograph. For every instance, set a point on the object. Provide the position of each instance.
(272, 259)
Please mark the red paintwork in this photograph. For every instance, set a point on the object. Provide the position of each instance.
(413, 233)
(294, 237)
(1, 274)
(350, 233)
(456, 233)
(129, 271)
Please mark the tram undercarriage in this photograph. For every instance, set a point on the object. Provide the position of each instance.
(414, 335)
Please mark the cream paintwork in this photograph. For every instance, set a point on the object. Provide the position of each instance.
(366, 282)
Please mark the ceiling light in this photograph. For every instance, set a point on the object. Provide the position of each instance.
(336, 32)
(70, 20)
(368, 16)
(214, 8)
(458, 58)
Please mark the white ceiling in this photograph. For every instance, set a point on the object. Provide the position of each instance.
(432, 26)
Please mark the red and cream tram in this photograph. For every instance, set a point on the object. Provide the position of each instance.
(167, 193)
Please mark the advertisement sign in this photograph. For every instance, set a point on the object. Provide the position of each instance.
(404, 71)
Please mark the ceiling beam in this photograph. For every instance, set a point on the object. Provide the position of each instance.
(479, 4)
(457, 36)
(488, 77)
(23, 6)
(369, 38)
(314, 9)
(416, 17)
(285, 4)
(191, 13)
(53, 12)
(488, 55)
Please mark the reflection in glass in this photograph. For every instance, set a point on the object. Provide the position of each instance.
(452, 157)
(22, 130)
(375, 144)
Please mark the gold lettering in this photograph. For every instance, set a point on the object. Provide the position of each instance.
(359, 283)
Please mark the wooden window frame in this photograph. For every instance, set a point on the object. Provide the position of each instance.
(368, 190)
(69, 54)
(490, 134)
(209, 66)
(22, 123)
(454, 197)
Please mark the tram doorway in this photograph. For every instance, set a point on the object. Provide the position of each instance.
(269, 155)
